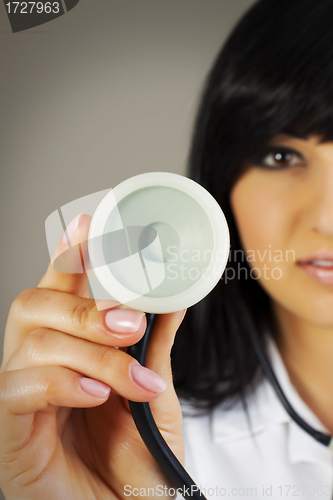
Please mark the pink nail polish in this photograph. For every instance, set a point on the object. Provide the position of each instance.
(123, 320)
(147, 379)
(94, 387)
(71, 229)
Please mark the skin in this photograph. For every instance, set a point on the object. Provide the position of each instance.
(57, 441)
(292, 208)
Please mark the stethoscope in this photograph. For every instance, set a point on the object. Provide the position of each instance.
(319, 436)
(144, 216)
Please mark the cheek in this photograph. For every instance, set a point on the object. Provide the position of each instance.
(265, 214)
(263, 220)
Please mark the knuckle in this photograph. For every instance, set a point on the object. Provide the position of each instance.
(82, 313)
(37, 335)
(4, 389)
(31, 344)
(28, 352)
(24, 302)
(9, 391)
(50, 381)
(104, 357)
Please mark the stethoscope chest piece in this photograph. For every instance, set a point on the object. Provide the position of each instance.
(158, 242)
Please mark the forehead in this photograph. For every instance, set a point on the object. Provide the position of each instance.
(313, 144)
(314, 140)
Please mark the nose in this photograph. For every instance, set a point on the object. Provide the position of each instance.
(321, 202)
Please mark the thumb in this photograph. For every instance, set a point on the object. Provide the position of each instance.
(161, 342)
(166, 406)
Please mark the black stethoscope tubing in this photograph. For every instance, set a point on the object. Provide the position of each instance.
(322, 438)
(150, 433)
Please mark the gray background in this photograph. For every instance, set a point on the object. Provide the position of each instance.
(107, 91)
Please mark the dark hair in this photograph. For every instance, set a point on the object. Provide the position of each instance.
(274, 75)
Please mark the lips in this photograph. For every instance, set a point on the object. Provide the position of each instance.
(319, 267)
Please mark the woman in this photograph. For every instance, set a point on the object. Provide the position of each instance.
(263, 146)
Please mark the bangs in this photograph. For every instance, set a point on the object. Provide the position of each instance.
(315, 122)
(272, 80)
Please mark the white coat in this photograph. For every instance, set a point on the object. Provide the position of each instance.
(278, 460)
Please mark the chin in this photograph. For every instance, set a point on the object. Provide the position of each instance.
(313, 308)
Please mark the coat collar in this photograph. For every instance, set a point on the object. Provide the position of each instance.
(266, 411)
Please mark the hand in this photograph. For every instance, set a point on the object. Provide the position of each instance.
(66, 432)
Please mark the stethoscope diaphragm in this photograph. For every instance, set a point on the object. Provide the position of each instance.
(158, 242)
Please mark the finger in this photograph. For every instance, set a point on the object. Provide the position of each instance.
(37, 307)
(161, 342)
(107, 364)
(43, 387)
(166, 407)
(66, 272)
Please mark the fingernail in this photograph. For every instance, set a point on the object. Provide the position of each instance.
(71, 229)
(124, 320)
(94, 387)
(147, 379)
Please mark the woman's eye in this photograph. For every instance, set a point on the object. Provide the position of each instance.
(282, 158)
